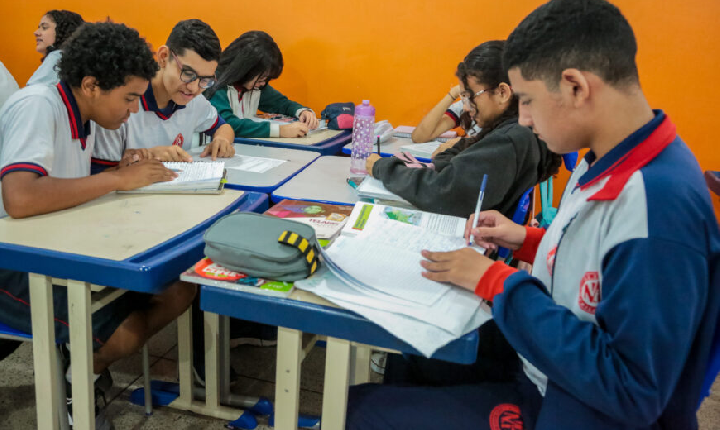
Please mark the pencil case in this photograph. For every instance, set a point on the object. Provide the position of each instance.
(263, 246)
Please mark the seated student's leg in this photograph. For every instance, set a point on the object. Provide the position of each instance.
(144, 322)
(496, 361)
(491, 406)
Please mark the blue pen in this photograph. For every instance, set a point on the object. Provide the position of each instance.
(477, 208)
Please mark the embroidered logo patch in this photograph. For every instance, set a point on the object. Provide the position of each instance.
(589, 292)
(551, 259)
(178, 140)
(506, 417)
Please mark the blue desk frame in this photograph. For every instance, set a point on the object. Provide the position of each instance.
(343, 329)
(148, 271)
(347, 149)
(327, 147)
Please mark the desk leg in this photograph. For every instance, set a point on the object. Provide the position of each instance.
(44, 352)
(212, 359)
(83, 393)
(360, 364)
(185, 359)
(337, 379)
(287, 379)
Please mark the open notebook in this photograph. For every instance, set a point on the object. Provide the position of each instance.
(193, 178)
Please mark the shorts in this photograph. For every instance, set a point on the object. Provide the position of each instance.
(15, 309)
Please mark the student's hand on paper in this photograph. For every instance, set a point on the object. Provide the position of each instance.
(445, 146)
(308, 118)
(493, 230)
(219, 147)
(370, 162)
(296, 129)
(463, 267)
(455, 92)
(170, 153)
(131, 156)
(143, 173)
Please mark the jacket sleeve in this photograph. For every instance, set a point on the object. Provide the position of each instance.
(442, 160)
(454, 189)
(626, 366)
(272, 101)
(242, 127)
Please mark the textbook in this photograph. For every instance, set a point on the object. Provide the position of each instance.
(379, 249)
(406, 131)
(207, 272)
(193, 178)
(372, 188)
(422, 150)
(326, 219)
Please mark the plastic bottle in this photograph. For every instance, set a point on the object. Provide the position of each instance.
(362, 137)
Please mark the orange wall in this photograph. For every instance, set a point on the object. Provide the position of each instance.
(401, 54)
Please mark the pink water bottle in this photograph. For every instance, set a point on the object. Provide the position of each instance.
(362, 137)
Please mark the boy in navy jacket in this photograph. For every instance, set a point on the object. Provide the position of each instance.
(616, 322)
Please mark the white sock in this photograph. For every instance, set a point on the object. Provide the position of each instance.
(68, 375)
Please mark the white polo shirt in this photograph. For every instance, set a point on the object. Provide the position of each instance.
(41, 131)
(151, 126)
(46, 74)
(455, 111)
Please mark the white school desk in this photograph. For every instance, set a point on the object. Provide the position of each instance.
(322, 181)
(348, 337)
(389, 148)
(328, 146)
(129, 242)
(269, 181)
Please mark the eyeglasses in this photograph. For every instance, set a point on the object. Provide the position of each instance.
(189, 75)
(469, 100)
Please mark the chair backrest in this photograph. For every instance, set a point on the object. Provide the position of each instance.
(518, 217)
(7, 332)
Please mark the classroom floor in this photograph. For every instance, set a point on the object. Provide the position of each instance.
(254, 365)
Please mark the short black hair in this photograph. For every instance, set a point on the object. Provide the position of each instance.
(109, 52)
(197, 36)
(588, 35)
(252, 54)
(66, 22)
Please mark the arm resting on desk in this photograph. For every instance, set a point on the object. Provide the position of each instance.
(26, 194)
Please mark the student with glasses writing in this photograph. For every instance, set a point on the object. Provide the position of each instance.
(170, 111)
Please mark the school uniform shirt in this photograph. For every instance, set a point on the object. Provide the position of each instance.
(511, 155)
(41, 131)
(152, 126)
(238, 107)
(616, 322)
(455, 111)
(47, 73)
(7, 84)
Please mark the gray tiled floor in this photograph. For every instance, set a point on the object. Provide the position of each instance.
(256, 367)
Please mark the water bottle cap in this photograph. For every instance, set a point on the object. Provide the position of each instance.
(365, 109)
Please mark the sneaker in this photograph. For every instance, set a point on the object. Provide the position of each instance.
(378, 361)
(102, 385)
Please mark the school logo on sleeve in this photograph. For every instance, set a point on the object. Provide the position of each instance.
(506, 417)
(178, 140)
(589, 292)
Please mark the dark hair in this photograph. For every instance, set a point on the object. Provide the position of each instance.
(110, 52)
(484, 63)
(197, 36)
(66, 23)
(253, 54)
(588, 35)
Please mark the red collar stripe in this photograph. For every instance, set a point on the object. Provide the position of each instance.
(73, 122)
(636, 159)
(144, 102)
